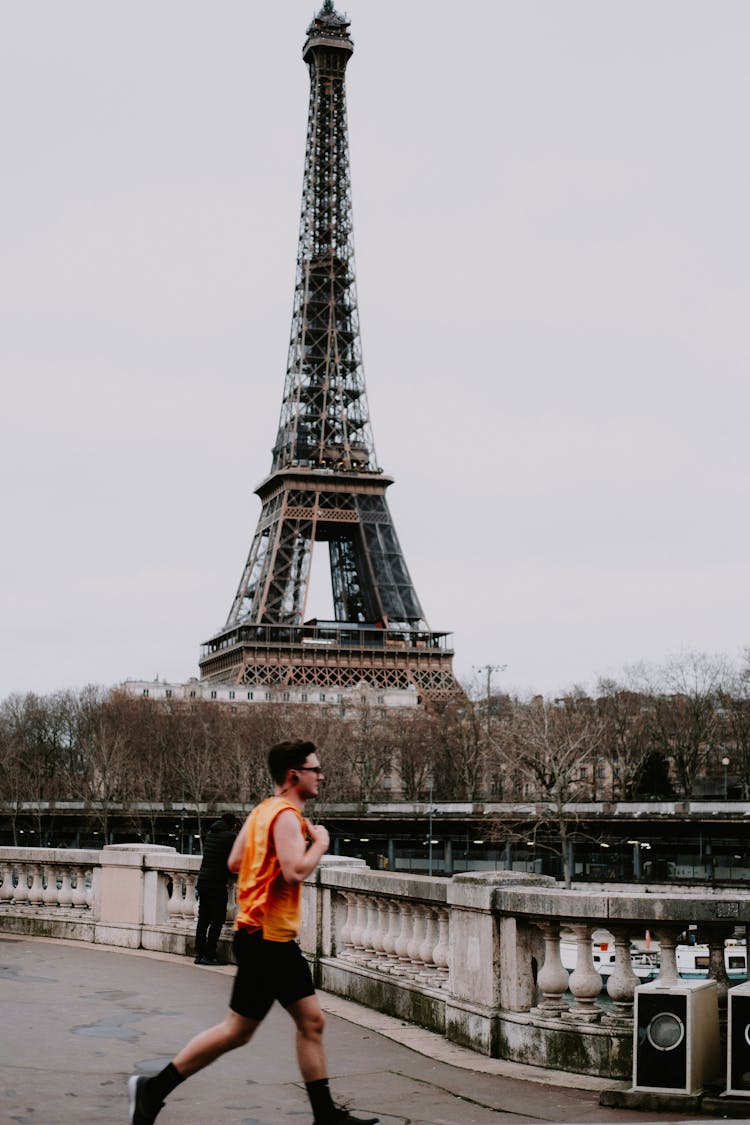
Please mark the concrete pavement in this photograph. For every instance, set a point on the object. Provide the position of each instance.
(77, 1019)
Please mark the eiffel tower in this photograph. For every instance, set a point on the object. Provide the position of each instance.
(325, 484)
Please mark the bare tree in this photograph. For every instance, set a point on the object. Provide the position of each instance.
(371, 750)
(734, 713)
(626, 740)
(547, 744)
(40, 731)
(416, 736)
(243, 777)
(198, 757)
(12, 775)
(153, 735)
(464, 733)
(685, 718)
(104, 755)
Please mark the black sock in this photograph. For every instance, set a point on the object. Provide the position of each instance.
(163, 1084)
(320, 1098)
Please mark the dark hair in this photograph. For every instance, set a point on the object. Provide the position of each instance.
(285, 756)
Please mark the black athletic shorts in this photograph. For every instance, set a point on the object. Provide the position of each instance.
(267, 971)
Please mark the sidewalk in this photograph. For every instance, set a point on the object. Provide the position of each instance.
(77, 1019)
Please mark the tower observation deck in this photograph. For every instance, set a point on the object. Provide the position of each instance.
(325, 485)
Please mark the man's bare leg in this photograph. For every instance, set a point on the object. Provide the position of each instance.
(146, 1095)
(233, 1031)
(310, 1022)
(311, 1057)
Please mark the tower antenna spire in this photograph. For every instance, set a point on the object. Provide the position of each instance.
(325, 486)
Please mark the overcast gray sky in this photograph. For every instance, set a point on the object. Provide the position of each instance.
(552, 237)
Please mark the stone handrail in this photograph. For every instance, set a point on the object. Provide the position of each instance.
(382, 939)
(476, 957)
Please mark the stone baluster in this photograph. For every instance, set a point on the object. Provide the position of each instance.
(6, 890)
(427, 950)
(79, 888)
(392, 932)
(584, 982)
(374, 932)
(190, 904)
(65, 894)
(441, 952)
(22, 887)
(370, 923)
(344, 944)
(365, 934)
(359, 927)
(404, 937)
(88, 887)
(36, 890)
(352, 918)
(717, 966)
(552, 979)
(622, 982)
(667, 938)
(49, 876)
(380, 929)
(414, 947)
(174, 906)
(231, 903)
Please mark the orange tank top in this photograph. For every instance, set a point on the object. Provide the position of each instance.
(265, 901)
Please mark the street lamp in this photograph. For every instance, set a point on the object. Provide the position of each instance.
(430, 813)
(429, 834)
(489, 669)
(725, 764)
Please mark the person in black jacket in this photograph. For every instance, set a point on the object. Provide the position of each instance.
(212, 888)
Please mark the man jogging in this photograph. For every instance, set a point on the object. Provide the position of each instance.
(276, 850)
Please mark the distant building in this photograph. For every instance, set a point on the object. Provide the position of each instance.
(195, 691)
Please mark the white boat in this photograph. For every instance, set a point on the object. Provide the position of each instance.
(692, 959)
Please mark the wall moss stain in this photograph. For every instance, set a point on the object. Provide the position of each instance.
(423, 1011)
(568, 1050)
(622, 1056)
(405, 1004)
(41, 929)
(47, 928)
(466, 1034)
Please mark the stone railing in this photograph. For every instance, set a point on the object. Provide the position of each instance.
(44, 883)
(476, 958)
(137, 896)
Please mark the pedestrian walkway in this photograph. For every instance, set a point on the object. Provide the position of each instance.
(77, 1019)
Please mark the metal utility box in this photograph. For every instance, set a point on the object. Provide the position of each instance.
(738, 1039)
(676, 1045)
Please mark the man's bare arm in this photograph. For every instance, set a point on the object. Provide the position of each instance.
(297, 859)
(238, 847)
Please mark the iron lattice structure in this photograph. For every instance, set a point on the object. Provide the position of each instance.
(325, 484)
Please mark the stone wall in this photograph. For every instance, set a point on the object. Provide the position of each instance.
(476, 958)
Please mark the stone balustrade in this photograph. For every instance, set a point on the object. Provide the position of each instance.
(476, 957)
(45, 881)
(136, 896)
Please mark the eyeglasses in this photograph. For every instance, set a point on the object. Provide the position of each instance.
(310, 769)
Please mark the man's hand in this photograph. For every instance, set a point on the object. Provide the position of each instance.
(318, 834)
(297, 857)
